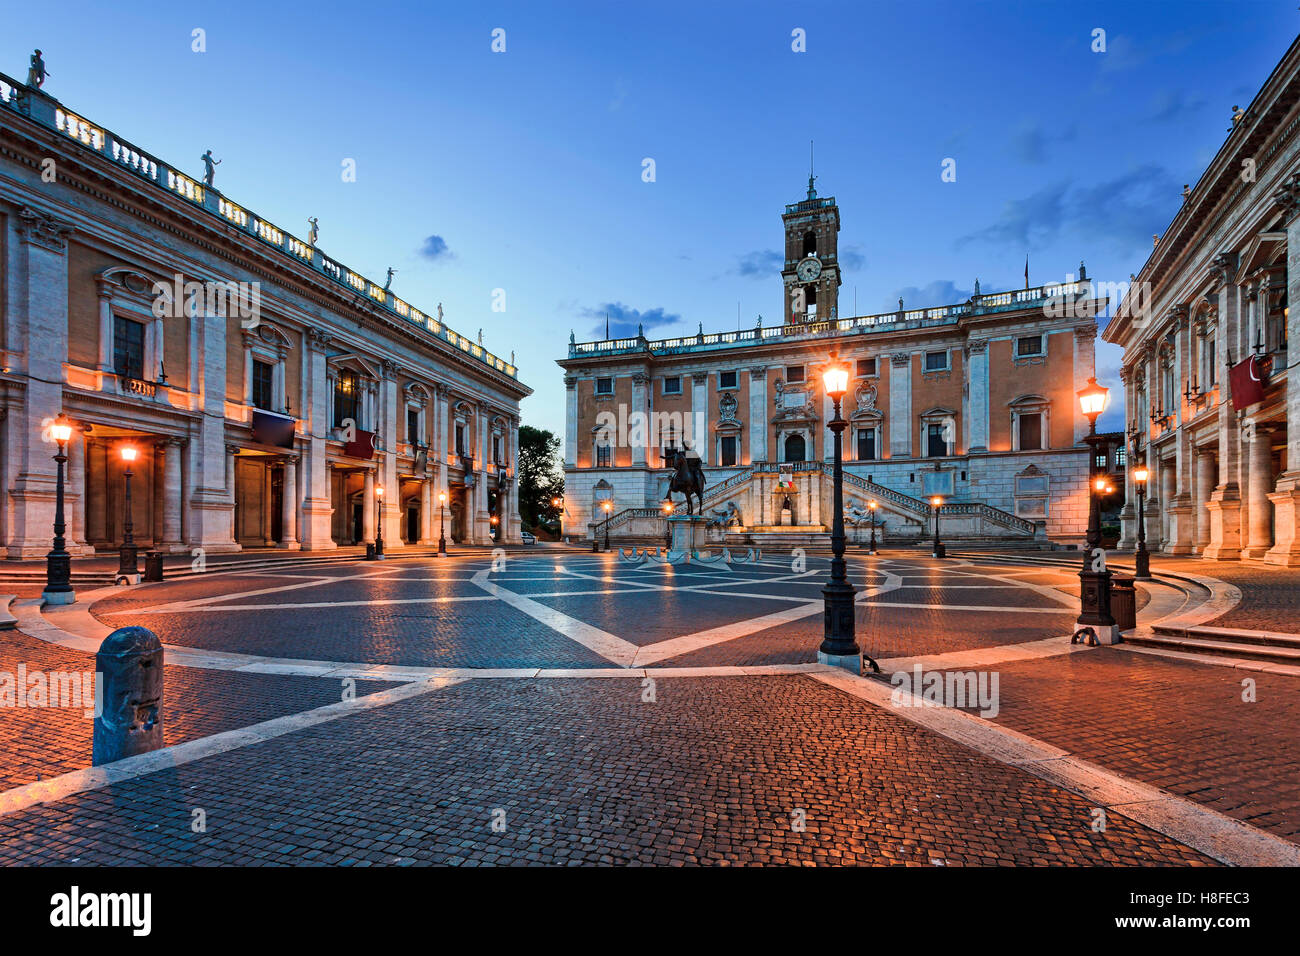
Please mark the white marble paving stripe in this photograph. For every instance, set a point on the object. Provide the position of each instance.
(373, 602)
(257, 592)
(1214, 834)
(982, 657)
(94, 778)
(607, 645)
(727, 632)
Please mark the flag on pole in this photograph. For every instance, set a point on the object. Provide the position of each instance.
(1026, 270)
(1246, 383)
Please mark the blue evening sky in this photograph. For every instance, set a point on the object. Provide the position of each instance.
(522, 170)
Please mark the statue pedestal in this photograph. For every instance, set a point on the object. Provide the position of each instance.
(687, 534)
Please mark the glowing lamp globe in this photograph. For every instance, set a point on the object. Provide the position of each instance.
(1141, 475)
(129, 452)
(836, 379)
(61, 429)
(1092, 399)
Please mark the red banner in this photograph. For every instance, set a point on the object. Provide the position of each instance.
(363, 446)
(1246, 383)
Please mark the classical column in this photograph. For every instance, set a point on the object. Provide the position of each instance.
(1128, 514)
(900, 405)
(171, 495)
(757, 423)
(514, 519)
(977, 415)
(392, 504)
(640, 381)
(428, 504)
(700, 415)
(248, 367)
(104, 290)
(1259, 485)
(36, 324)
(1206, 477)
(315, 403)
(228, 494)
(1180, 506)
(1168, 486)
(212, 501)
(1286, 497)
(368, 509)
(289, 506)
(570, 421)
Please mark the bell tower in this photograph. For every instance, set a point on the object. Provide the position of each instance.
(811, 276)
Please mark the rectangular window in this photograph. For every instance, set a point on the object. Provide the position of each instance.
(128, 348)
(496, 449)
(460, 439)
(347, 399)
(794, 373)
(727, 379)
(673, 385)
(604, 386)
(1031, 432)
(1100, 460)
(603, 456)
(936, 361)
(1029, 345)
(866, 444)
(866, 367)
(413, 426)
(263, 384)
(1121, 456)
(936, 447)
(727, 450)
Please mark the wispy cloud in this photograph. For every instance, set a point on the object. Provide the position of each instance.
(1121, 213)
(763, 263)
(1168, 106)
(624, 320)
(435, 248)
(938, 292)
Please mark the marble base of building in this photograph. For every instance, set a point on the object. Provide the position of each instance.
(1286, 522)
(1224, 508)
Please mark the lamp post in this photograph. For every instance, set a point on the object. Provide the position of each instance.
(838, 646)
(939, 550)
(608, 506)
(557, 504)
(379, 522)
(442, 512)
(496, 530)
(872, 506)
(668, 530)
(1094, 579)
(126, 562)
(1141, 559)
(58, 563)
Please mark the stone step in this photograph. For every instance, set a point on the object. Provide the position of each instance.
(1195, 645)
(7, 621)
(1231, 635)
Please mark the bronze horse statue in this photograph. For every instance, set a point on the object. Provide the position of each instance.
(688, 477)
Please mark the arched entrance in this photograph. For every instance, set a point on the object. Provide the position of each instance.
(795, 448)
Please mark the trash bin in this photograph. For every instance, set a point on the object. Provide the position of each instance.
(1123, 602)
(370, 551)
(153, 566)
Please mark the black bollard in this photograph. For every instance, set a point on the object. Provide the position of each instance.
(129, 664)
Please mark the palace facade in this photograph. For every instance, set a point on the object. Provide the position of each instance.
(273, 396)
(1212, 351)
(974, 401)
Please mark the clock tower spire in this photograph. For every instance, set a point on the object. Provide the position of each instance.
(811, 276)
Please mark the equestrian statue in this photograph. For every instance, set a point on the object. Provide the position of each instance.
(687, 477)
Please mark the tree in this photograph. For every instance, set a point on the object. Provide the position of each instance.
(540, 478)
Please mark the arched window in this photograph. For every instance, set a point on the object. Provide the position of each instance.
(794, 448)
(809, 243)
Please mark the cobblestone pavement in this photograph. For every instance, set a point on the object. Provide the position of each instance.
(586, 770)
(1178, 725)
(721, 771)
(42, 742)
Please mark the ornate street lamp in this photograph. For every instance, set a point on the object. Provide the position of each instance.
(668, 531)
(838, 646)
(1141, 559)
(58, 563)
(126, 563)
(608, 506)
(1094, 579)
(379, 522)
(872, 506)
(496, 530)
(442, 510)
(557, 505)
(939, 550)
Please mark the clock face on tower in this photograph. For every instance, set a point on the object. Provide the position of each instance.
(809, 269)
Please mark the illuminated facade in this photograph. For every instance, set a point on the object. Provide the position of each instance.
(973, 401)
(270, 391)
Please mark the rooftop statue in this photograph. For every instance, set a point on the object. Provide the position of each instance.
(209, 167)
(313, 231)
(36, 73)
(389, 282)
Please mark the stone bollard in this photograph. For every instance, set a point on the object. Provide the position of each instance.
(130, 665)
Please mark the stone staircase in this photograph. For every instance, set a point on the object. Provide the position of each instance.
(1223, 642)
